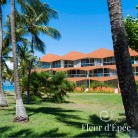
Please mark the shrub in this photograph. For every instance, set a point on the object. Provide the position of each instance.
(59, 86)
(83, 87)
(95, 84)
(137, 85)
(55, 86)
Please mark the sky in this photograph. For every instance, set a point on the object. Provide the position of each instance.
(84, 25)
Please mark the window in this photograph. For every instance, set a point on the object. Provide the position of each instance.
(68, 63)
(45, 65)
(109, 61)
(87, 62)
(56, 64)
(132, 60)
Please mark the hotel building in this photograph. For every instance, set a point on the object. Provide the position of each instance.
(81, 68)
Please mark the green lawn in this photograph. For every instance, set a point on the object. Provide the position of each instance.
(65, 120)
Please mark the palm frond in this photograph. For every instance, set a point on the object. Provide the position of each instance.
(52, 32)
(39, 44)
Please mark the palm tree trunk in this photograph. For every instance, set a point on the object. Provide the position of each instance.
(28, 87)
(21, 114)
(3, 101)
(29, 72)
(123, 64)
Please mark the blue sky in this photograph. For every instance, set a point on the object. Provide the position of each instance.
(83, 24)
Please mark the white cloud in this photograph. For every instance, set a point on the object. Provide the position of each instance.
(10, 64)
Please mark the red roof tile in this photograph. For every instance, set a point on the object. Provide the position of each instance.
(101, 53)
(102, 79)
(50, 58)
(74, 55)
(133, 52)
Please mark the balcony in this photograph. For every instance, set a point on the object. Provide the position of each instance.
(92, 75)
(109, 63)
(135, 73)
(102, 75)
(68, 65)
(76, 75)
(87, 64)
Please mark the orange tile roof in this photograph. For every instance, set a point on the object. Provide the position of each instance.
(77, 79)
(40, 70)
(74, 55)
(102, 79)
(84, 68)
(134, 65)
(50, 58)
(133, 52)
(101, 53)
(96, 78)
(136, 78)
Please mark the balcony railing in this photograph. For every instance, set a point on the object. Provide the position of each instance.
(109, 63)
(102, 75)
(135, 73)
(87, 64)
(68, 65)
(76, 75)
(92, 75)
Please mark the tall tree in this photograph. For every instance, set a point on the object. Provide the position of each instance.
(131, 26)
(21, 114)
(25, 57)
(123, 64)
(3, 101)
(36, 17)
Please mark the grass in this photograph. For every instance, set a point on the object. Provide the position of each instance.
(65, 120)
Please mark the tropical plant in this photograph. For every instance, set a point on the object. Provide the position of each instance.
(123, 65)
(95, 84)
(21, 114)
(35, 18)
(3, 101)
(7, 73)
(24, 58)
(59, 86)
(132, 32)
(44, 83)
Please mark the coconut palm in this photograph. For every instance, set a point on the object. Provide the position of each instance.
(6, 71)
(3, 101)
(21, 114)
(35, 18)
(20, 34)
(123, 63)
(25, 57)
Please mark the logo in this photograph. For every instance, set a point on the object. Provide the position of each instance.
(106, 116)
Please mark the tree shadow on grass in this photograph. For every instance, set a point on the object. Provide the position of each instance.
(71, 120)
(59, 113)
(46, 99)
(30, 133)
(107, 129)
(74, 121)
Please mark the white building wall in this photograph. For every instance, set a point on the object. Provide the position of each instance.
(135, 61)
(77, 63)
(102, 62)
(62, 63)
(50, 65)
(97, 62)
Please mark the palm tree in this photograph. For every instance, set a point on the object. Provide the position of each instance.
(35, 18)
(25, 57)
(3, 101)
(7, 74)
(21, 114)
(123, 64)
